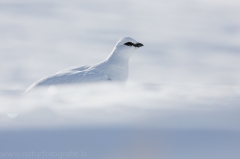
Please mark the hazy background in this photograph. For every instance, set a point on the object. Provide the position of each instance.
(181, 99)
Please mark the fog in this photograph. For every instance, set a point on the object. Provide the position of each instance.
(181, 99)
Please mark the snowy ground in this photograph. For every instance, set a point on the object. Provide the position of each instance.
(181, 100)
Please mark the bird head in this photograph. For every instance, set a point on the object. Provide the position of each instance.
(125, 47)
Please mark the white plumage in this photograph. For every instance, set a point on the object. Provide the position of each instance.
(114, 68)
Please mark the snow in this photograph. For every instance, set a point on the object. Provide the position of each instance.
(181, 99)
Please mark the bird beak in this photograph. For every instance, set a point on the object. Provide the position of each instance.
(138, 45)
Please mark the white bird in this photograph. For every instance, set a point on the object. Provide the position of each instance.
(114, 68)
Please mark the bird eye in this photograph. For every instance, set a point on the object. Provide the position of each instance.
(129, 44)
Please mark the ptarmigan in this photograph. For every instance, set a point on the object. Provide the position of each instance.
(114, 68)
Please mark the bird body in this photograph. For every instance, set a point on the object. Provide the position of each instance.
(114, 68)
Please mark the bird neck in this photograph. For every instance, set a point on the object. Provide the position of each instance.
(117, 64)
(120, 55)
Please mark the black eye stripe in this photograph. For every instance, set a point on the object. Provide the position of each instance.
(129, 44)
(132, 44)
